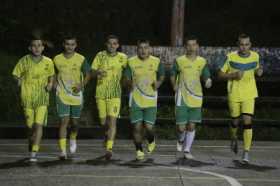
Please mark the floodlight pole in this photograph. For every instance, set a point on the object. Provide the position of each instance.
(177, 24)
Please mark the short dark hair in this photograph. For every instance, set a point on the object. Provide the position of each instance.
(36, 37)
(191, 37)
(69, 36)
(243, 36)
(143, 40)
(112, 36)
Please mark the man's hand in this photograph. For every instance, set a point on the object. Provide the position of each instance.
(259, 71)
(76, 89)
(101, 74)
(49, 87)
(237, 75)
(208, 83)
(156, 85)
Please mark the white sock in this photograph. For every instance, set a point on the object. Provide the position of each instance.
(189, 140)
(181, 136)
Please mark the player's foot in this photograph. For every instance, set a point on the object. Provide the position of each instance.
(109, 154)
(33, 157)
(245, 157)
(140, 155)
(180, 146)
(234, 146)
(73, 146)
(188, 155)
(151, 147)
(63, 156)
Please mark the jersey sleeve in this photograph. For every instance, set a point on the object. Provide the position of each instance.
(205, 72)
(96, 62)
(225, 67)
(161, 70)
(85, 68)
(128, 72)
(174, 69)
(18, 70)
(51, 70)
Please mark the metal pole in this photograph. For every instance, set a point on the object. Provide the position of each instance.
(177, 25)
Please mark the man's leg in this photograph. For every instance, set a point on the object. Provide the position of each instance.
(102, 112)
(138, 140)
(75, 111)
(235, 111)
(63, 136)
(182, 117)
(149, 117)
(190, 135)
(29, 119)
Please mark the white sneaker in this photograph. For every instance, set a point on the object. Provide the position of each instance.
(33, 157)
(73, 146)
(245, 157)
(188, 155)
(179, 146)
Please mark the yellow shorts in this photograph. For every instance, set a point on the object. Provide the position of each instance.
(108, 107)
(38, 116)
(244, 107)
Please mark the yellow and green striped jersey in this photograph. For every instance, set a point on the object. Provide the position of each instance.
(109, 86)
(143, 75)
(70, 73)
(188, 74)
(244, 89)
(34, 79)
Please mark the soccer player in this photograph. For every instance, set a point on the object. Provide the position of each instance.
(144, 75)
(185, 78)
(239, 69)
(34, 73)
(73, 73)
(108, 67)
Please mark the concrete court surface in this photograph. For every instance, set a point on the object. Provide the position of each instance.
(214, 165)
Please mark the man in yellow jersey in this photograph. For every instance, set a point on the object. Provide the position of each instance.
(144, 74)
(34, 73)
(185, 78)
(108, 66)
(73, 73)
(239, 69)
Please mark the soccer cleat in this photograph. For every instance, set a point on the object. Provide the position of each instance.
(140, 155)
(234, 146)
(73, 146)
(109, 154)
(180, 146)
(151, 147)
(188, 155)
(63, 156)
(245, 157)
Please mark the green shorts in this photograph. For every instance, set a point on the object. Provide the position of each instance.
(139, 115)
(63, 110)
(185, 114)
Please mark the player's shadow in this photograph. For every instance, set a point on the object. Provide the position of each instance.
(192, 163)
(141, 163)
(100, 161)
(259, 168)
(54, 163)
(17, 164)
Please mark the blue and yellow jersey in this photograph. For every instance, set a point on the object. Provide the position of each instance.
(244, 89)
(34, 79)
(188, 73)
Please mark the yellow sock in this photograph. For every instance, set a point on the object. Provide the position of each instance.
(233, 132)
(62, 144)
(73, 135)
(247, 138)
(35, 148)
(109, 144)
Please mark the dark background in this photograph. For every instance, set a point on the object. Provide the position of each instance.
(215, 22)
